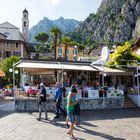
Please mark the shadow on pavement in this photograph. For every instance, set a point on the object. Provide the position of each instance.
(57, 124)
(4, 113)
(91, 115)
(94, 133)
(88, 124)
(104, 114)
(84, 130)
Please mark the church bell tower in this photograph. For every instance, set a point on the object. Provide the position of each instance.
(25, 24)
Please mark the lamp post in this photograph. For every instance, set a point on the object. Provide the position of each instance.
(13, 74)
(75, 53)
(13, 71)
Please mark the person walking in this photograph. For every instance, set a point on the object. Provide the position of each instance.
(67, 118)
(58, 101)
(42, 101)
(70, 111)
(77, 113)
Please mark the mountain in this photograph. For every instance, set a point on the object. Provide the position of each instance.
(116, 21)
(65, 25)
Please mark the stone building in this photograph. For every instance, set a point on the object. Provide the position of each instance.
(12, 41)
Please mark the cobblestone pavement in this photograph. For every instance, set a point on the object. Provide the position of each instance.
(112, 124)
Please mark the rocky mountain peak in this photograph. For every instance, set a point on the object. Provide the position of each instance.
(44, 25)
(116, 21)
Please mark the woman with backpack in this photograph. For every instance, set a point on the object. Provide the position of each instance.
(71, 102)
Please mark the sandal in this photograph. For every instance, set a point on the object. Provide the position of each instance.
(73, 138)
(68, 133)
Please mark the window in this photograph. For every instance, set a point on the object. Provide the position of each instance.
(60, 52)
(17, 53)
(25, 16)
(8, 44)
(17, 45)
(67, 51)
(7, 33)
(74, 51)
(7, 53)
(24, 23)
(67, 58)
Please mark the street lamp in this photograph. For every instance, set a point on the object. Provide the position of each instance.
(14, 72)
(75, 53)
(10, 70)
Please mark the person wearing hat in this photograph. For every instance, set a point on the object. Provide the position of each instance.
(42, 101)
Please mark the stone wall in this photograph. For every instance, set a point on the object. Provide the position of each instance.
(31, 104)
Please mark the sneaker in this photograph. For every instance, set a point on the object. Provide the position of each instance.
(73, 138)
(56, 117)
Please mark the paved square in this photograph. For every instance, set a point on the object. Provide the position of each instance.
(112, 124)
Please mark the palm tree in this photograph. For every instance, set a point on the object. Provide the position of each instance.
(55, 31)
(66, 41)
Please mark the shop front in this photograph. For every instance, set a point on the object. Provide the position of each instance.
(89, 80)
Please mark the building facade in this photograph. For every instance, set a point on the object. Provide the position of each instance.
(71, 52)
(12, 42)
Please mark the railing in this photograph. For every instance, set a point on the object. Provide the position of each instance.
(87, 94)
(90, 99)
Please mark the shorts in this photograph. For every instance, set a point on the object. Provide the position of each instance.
(71, 116)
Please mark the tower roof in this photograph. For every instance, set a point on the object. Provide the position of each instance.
(25, 11)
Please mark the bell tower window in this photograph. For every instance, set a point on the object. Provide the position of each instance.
(24, 23)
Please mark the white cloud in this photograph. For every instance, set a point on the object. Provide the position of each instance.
(55, 2)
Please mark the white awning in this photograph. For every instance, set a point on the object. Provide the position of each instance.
(43, 65)
(106, 69)
(38, 65)
(77, 67)
(111, 71)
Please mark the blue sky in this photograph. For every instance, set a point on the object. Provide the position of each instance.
(11, 10)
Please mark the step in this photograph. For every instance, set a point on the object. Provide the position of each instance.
(129, 106)
(129, 103)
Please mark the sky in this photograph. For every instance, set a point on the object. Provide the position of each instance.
(11, 10)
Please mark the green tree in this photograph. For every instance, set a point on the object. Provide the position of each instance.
(122, 55)
(56, 32)
(42, 38)
(7, 64)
